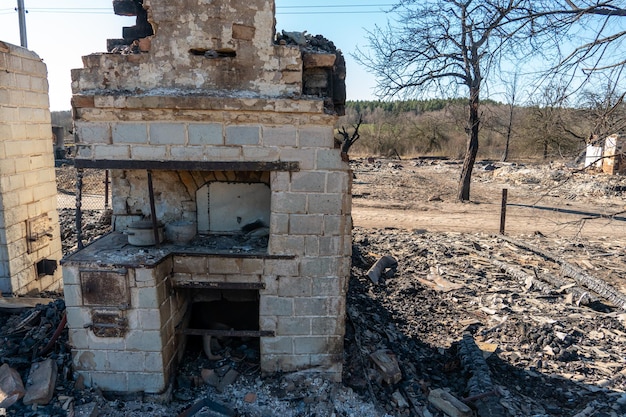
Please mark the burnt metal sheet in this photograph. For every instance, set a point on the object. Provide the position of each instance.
(188, 165)
(233, 205)
(105, 288)
(219, 285)
(227, 333)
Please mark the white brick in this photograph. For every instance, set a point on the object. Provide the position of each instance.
(124, 361)
(205, 134)
(243, 135)
(167, 134)
(306, 224)
(144, 340)
(310, 345)
(316, 137)
(130, 133)
(314, 182)
(288, 203)
(306, 158)
(325, 204)
(140, 152)
(111, 152)
(280, 136)
(295, 287)
(93, 132)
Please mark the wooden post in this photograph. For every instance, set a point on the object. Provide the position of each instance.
(503, 210)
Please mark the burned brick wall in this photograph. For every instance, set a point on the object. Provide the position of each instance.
(212, 103)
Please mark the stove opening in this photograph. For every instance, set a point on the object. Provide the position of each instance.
(225, 324)
(233, 207)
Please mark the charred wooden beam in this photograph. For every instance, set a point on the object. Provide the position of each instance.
(479, 382)
(599, 286)
(551, 282)
(132, 33)
(125, 7)
(188, 165)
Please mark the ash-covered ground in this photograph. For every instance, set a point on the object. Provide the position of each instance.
(506, 330)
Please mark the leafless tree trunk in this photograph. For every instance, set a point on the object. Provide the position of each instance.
(511, 105)
(472, 147)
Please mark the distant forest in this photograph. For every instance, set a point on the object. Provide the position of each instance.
(437, 128)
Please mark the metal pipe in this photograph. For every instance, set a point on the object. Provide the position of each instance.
(155, 226)
(21, 12)
(106, 188)
(79, 211)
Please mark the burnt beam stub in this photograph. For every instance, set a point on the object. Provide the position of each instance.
(339, 85)
(214, 53)
(126, 7)
(142, 27)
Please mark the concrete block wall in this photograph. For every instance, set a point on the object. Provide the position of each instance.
(174, 103)
(144, 356)
(310, 228)
(27, 175)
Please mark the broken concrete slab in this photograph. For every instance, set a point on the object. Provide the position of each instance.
(448, 403)
(41, 383)
(387, 365)
(11, 386)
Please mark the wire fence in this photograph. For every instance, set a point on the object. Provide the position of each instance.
(95, 201)
(96, 192)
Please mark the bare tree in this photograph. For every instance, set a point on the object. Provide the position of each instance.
(439, 45)
(595, 26)
(606, 109)
(548, 125)
(511, 95)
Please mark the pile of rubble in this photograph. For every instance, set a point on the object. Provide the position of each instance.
(462, 325)
(545, 353)
(438, 324)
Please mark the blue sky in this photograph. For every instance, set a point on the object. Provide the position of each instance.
(62, 31)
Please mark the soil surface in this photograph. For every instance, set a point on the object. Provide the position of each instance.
(552, 199)
(531, 323)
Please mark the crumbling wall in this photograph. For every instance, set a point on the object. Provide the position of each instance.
(213, 46)
(30, 243)
(202, 45)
